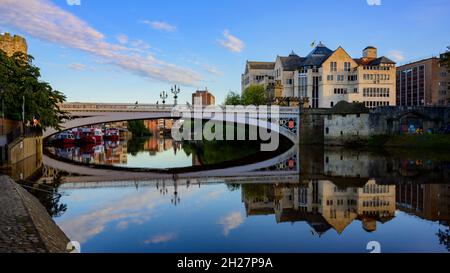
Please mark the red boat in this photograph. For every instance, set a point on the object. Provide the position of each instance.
(65, 139)
(98, 134)
(87, 136)
(112, 135)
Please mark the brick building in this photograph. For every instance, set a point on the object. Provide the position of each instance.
(424, 82)
(203, 97)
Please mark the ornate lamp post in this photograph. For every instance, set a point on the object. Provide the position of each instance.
(175, 199)
(175, 91)
(163, 96)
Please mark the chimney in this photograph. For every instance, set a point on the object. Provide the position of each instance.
(370, 52)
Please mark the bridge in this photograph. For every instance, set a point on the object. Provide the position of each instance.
(286, 164)
(285, 121)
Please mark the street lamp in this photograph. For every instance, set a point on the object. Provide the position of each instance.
(163, 96)
(175, 91)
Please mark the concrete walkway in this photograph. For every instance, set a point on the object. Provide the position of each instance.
(25, 225)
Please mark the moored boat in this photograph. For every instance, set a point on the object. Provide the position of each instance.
(112, 135)
(64, 138)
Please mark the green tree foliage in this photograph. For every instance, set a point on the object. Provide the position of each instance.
(233, 99)
(138, 128)
(445, 58)
(20, 78)
(136, 145)
(254, 95)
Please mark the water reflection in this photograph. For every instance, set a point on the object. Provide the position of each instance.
(340, 200)
(322, 204)
(157, 152)
(317, 216)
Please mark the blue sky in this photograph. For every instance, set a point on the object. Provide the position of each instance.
(127, 51)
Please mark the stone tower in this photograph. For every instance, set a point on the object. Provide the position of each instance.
(12, 44)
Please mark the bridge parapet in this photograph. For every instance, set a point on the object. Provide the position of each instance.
(129, 107)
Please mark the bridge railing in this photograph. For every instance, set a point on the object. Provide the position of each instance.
(113, 107)
(123, 107)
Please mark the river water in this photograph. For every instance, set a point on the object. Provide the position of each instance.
(320, 200)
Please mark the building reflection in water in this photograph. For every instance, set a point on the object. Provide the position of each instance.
(115, 153)
(322, 204)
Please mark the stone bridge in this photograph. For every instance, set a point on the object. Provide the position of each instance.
(285, 120)
(286, 123)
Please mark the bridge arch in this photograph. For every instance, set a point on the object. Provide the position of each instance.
(92, 114)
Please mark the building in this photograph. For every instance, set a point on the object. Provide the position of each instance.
(285, 68)
(428, 201)
(258, 73)
(12, 44)
(423, 83)
(203, 97)
(347, 123)
(327, 77)
(323, 204)
(324, 77)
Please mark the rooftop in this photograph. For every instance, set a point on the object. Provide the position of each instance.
(346, 108)
(261, 65)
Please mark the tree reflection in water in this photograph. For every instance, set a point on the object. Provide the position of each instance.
(49, 196)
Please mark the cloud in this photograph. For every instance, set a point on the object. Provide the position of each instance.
(77, 66)
(161, 26)
(162, 238)
(123, 213)
(231, 221)
(136, 45)
(231, 42)
(213, 70)
(374, 2)
(123, 39)
(73, 2)
(45, 21)
(396, 55)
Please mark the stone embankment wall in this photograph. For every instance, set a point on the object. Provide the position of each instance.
(25, 225)
(24, 148)
(312, 125)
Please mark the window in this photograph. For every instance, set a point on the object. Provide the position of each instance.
(330, 78)
(333, 66)
(315, 92)
(332, 104)
(347, 66)
(327, 131)
(340, 91)
(340, 78)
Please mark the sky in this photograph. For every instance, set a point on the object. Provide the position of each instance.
(128, 51)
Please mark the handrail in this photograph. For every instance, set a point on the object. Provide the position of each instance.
(104, 107)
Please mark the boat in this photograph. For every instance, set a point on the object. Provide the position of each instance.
(87, 136)
(64, 139)
(112, 135)
(98, 134)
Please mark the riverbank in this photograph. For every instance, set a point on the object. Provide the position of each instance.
(25, 225)
(426, 141)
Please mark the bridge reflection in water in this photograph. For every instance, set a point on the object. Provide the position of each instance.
(331, 192)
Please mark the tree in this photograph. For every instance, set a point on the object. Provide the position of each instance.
(137, 127)
(19, 79)
(445, 58)
(254, 95)
(233, 99)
